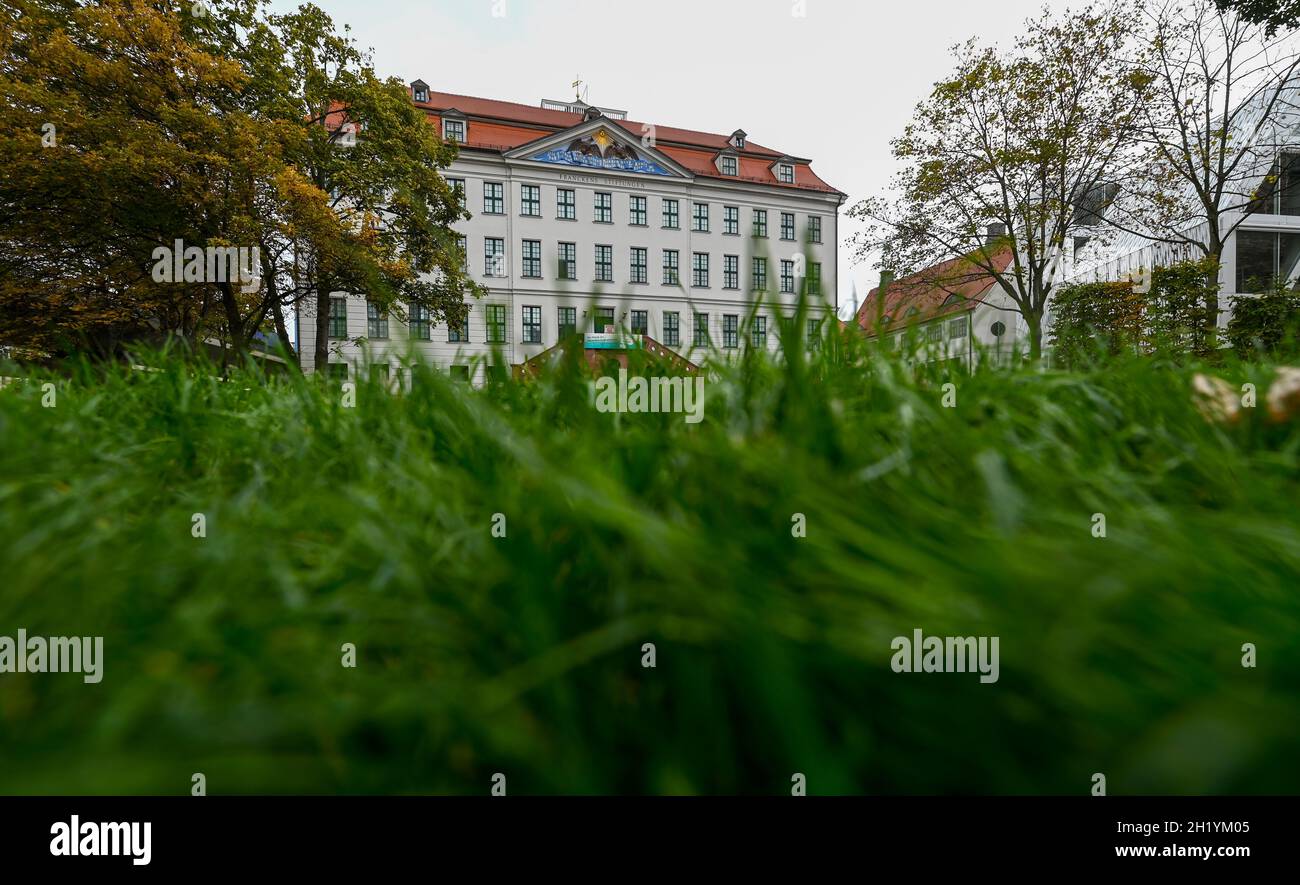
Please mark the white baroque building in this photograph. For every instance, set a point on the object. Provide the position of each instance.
(584, 222)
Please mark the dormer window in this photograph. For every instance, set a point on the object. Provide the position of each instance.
(730, 166)
(785, 173)
(738, 139)
(453, 130)
(420, 91)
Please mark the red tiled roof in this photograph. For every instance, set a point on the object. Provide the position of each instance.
(505, 125)
(929, 291)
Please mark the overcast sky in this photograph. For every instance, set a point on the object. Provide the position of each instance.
(834, 84)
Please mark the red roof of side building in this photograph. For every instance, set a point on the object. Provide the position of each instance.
(504, 125)
(954, 286)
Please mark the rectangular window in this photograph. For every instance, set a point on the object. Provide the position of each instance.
(731, 220)
(566, 321)
(672, 332)
(758, 275)
(700, 270)
(494, 257)
(457, 186)
(730, 330)
(453, 130)
(494, 198)
(419, 321)
(459, 373)
(731, 271)
(376, 321)
(636, 211)
(458, 332)
(1280, 192)
(934, 332)
(701, 330)
(814, 277)
(787, 225)
(566, 204)
(604, 320)
(729, 166)
(462, 242)
(758, 332)
(785, 173)
(532, 324)
(760, 222)
(814, 334)
(1263, 257)
(700, 218)
(338, 371)
(957, 327)
(338, 318)
(530, 199)
(787, 276)
(532, 256)
(814, 229)
(605, 264)
(568, 261)
(670, 267)
(495, 314)
(670, 214)
(640, 322)
(604, 208)
(640, 272)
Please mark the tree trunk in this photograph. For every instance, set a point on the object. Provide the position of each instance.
(1211, 334)
(1035, 324)
(282, 332)
(234, 325)
(321, 350)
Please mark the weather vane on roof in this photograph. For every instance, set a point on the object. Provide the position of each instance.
(579, 88)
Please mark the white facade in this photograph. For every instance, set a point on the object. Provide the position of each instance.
(532, 222)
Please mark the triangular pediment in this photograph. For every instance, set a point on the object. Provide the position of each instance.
(600, 144)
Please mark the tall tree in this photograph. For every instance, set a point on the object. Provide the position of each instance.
(366, 145)
(1222, 95)
(107, 133)
(131, 125)
(1015, 139)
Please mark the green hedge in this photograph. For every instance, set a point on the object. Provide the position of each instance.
(1172, 315)
(1267, 324)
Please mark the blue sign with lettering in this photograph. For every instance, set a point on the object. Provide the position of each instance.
(595, 161)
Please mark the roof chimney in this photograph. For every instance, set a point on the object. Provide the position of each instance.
(994, 233)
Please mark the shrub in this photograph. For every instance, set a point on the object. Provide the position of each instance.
(1266, 324)
(1178, 316)
(1094, 319)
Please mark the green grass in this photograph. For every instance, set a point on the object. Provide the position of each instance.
(522, 654)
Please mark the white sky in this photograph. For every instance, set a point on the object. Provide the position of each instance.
(834, 85)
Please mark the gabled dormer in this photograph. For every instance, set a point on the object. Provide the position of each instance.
(737, 139)
(783, 170)
(419, 92)
(599, 144)
(455, 126)
(728, 162)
